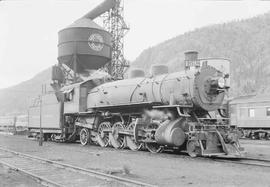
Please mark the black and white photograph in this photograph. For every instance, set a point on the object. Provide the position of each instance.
(141, 93)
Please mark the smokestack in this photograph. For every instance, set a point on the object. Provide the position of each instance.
(191, 60)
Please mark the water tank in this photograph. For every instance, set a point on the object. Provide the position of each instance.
(85, 43)
(159, 69)
(135, 73)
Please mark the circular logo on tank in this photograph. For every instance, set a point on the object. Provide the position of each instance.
(95, 42)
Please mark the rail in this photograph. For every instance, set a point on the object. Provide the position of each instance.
(44, 170)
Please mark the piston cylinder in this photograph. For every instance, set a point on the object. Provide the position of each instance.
(170, 133)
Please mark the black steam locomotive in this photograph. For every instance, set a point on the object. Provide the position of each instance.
(160, 111)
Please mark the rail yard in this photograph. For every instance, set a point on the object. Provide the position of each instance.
(144, 167)
(102, 122)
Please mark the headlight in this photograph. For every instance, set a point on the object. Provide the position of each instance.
(221, 82)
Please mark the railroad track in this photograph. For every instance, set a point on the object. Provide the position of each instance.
(53, 173)
(246, 161)
(250, 161)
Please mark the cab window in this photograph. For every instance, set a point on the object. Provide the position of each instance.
(251, 112)
(268, 111)
(69, 95)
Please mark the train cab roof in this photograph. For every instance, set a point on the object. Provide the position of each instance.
(68, 88)
(94, 80)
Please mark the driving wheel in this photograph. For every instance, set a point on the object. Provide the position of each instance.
(117, 140)
(103, 135)
(84, 136)
(131, 143)
(152, 146)
(193, 148)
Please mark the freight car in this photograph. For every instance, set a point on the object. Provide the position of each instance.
(7, 123)
(13, 123)
(252, 115)
(48, 107)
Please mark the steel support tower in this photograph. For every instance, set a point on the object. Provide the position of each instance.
(115, 24)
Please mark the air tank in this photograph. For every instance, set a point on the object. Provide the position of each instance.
(84, 45)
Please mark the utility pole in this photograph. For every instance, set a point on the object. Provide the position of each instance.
(40, 116)
(14, 125)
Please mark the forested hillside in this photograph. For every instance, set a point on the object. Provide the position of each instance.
(16, 99)
(246, 43)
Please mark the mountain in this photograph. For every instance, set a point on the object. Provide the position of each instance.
(245, 42)
(16, 99)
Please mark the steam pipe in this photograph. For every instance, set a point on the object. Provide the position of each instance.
(105, 6)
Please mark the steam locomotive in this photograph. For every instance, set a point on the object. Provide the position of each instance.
(161, 111)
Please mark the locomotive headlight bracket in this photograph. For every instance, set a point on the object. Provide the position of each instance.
(216, 86)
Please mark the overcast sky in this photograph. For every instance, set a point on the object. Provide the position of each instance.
(28, 28)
